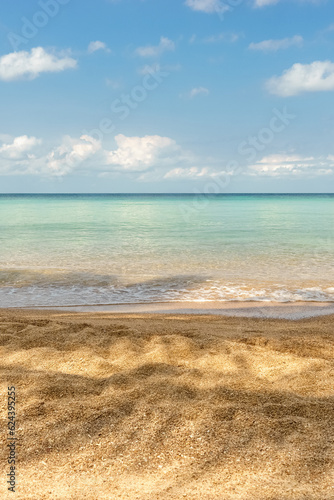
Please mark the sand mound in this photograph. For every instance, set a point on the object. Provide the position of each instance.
(169, 408)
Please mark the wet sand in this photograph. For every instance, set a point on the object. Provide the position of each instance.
(169, 406)
(294, 310)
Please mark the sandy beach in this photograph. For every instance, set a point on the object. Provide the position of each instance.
(146, 406)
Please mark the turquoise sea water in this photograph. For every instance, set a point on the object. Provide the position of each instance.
(107, 249)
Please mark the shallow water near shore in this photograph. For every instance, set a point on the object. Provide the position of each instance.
(61, 250)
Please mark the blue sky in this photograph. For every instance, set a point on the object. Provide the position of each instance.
(156, 96)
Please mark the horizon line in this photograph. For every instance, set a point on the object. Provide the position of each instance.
(164, 193)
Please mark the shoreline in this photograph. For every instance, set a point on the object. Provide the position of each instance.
(270, 310)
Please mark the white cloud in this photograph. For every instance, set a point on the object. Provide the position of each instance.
(18, 155)
(148, 158)
(23, 155)
(140, 153)
(208, 6)
(315, 77)
(70, 154)
(274, 45)
(187, 173)
(196, 173)
(292, 165)
(97, 45)
(156, 50)
(198, 91)
(19, 147)
(30, 65)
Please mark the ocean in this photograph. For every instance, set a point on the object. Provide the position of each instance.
(60, 250)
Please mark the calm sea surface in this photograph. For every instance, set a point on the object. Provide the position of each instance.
(108, 249)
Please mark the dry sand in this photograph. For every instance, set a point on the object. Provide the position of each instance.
(155, 407)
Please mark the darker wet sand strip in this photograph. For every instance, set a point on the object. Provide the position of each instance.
(292, 310)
